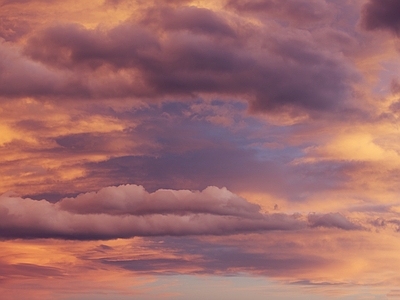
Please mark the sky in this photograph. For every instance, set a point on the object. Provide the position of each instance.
(199, 149)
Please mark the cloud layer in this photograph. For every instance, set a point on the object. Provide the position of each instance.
(128, 211)
(186, 51)
(121, 121)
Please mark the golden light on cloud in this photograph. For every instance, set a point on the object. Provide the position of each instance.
(148, 148)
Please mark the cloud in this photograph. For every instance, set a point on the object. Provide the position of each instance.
(134, 200)
(29, 270)
(214, 257)
(192, 51)
(332, 220)
(11, 29)
(194, 19)
(381, 14)
(20, 76)
(298, 11)
(127, 211)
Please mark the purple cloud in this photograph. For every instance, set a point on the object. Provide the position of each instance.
(199, 53)
(332, 220)
(297, 11)
(382, 14)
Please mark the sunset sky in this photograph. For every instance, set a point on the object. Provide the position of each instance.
(205, 149)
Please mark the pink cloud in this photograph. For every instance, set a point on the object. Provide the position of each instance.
(127, 211)
(192, 51)
(134, 200)
(297, 11)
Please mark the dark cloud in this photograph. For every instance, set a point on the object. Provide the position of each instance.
(378, 222)
(382, 14)
(20, 76)
(69, 44)
(332, 220)
(193, 57)
(128, 211)
(215, 258)
(382, 222)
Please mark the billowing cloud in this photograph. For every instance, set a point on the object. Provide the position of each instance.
(134, 200)
(23, 77)
(194, 51)
(127, 211)
(291, 105)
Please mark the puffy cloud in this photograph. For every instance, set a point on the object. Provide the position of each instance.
(128, 211)
(193, 51)
(134, 200)
(382, 14)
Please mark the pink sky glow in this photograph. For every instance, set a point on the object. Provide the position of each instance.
(199, 149)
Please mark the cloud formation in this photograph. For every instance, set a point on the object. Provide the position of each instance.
(292, 105)
(382, 14)
(128, 211)
(190, 51)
